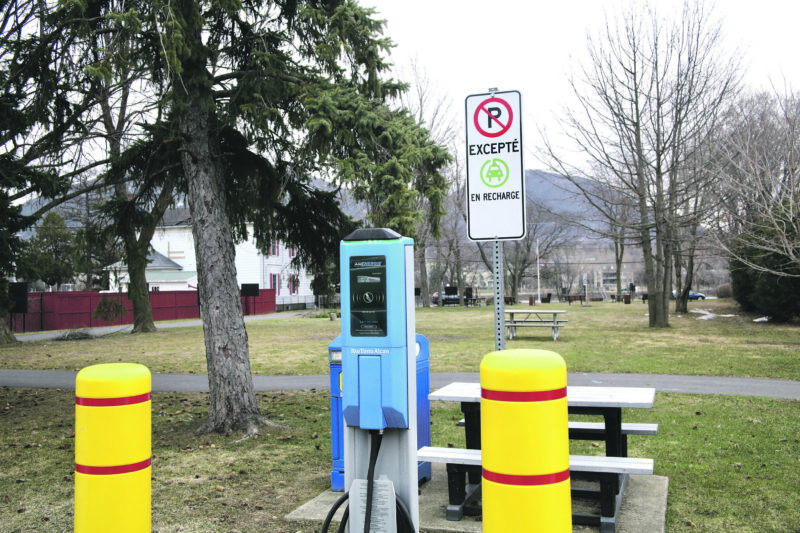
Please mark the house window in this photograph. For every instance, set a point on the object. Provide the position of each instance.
(275, 283)
(294, 284)
(175, 254)
(274, 249)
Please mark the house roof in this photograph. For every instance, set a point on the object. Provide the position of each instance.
(177, 216)
(159, 261)
(153, 277)
(156, 261)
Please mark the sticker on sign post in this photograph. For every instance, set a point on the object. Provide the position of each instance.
(495, 170)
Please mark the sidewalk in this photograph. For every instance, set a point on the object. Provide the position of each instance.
(107, 330)
(771, 388)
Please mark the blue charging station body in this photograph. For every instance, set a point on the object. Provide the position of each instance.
(379, 382)
(374, 333)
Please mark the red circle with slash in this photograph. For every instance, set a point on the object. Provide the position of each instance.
(493, 115)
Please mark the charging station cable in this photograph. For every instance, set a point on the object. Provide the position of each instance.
(325, 525)
(404, 523)
(376, 437)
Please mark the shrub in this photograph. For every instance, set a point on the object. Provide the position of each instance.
(766, 293)
(110, 308)
(725, 291)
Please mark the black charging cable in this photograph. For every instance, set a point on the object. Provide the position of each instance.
(327, 523)
(376, 437)
(404, 523)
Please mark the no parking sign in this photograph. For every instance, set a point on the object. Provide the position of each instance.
(495, 171)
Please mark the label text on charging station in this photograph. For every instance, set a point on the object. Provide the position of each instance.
(369, 351)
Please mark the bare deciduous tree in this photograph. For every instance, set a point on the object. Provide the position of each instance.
(545, 235)
(759, 171)
(431, 110)
(648, 96)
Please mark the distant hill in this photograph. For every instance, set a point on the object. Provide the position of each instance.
(553, 191)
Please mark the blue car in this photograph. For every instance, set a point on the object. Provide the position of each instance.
(692, 295)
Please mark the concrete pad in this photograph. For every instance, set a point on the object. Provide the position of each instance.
(644, 507)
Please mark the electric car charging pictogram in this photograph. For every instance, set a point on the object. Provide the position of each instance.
(494, 173)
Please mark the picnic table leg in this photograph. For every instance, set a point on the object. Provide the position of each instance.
(613, 422)
(472, 432)
(456, 492)
(555, 327)
(614, 446)
(464, 483)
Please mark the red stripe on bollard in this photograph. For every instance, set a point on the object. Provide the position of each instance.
(112, 402)
(527, 481)
(524, 396)
(111, 470)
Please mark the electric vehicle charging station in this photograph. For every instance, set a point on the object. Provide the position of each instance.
(379, 380)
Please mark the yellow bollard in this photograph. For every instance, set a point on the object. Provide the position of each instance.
(525, 442)
(112, 449)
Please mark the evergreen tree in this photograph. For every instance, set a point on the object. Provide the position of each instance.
(243, 102)
(50, 254)
(265, 95)
(764, 280)
(35, 116)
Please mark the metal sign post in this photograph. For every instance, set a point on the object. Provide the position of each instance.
(499, 297)
(495, 182)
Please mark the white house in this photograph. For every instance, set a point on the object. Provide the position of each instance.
(162, 274)
(173, 240)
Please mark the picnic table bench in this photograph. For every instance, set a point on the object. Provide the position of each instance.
(569, 298)
(607, 470)
(534, 319)
(611, 470)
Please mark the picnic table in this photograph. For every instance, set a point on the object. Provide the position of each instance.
(569, 298)
(534, 319)
(612, 470)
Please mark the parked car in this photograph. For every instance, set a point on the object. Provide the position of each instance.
(449, 299)
(692, 295)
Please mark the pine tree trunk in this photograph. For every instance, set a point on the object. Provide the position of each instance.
(422, 269)
(6, 336)
(136, 250)
(232, 398)
(138, 292)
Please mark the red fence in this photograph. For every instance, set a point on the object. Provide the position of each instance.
(49, 311)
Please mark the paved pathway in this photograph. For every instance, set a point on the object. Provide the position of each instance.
(773, 388)
(106, 330)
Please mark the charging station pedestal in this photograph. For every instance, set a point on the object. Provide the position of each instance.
(379, 375)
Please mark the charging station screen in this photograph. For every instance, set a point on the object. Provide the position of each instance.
(368, 296)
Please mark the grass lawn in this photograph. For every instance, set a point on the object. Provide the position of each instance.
(601, 337)
(733, 462)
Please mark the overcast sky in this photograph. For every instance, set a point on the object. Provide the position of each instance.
(467, 46)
